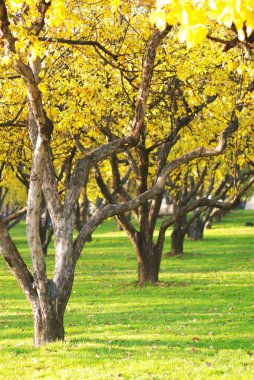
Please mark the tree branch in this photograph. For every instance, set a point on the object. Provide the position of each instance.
(203, 204)
(12, 121)
(14, 215)
(94, 44)
(16, 264)
(120, 145)
(115, 209)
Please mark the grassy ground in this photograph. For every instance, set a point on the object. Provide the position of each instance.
(196, 324)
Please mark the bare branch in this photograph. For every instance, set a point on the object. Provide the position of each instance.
(115, 209)
(201, 204)
(120, 145)
(12, 122)
(16, 264)
(14, 215)
(94, 44)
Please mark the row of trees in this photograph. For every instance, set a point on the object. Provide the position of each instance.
(96, 102)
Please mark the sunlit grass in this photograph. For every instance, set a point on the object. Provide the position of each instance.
(196, 324)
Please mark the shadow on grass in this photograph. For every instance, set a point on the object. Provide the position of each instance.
(134, 344)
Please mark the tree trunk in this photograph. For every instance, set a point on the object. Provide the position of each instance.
(82, 214)
(177, 239)
(217, 217)
(178, 235)
(208, 225)
(47, 240)
(148, 270)
(196, 229)
(48, 325)
(148, 260)
(48, 312)
(46, 229)
(119, 226)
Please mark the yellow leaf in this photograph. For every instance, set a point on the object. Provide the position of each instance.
(6, 61)
(42, 88)
(115, 4)
(159, 19)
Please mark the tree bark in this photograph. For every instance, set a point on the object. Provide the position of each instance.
(217, 217)
(196, 229)
(46, 230)
(208, 225)
(119, 227)
(177, 239)
(48, 323)
(178, 235)
(148, 269)
(82, 214)
(149, 259)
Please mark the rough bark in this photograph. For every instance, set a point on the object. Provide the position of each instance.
(149, 259)
(48, 317)
(148, 269)
(47, 328)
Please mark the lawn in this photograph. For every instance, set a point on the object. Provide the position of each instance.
(197, 323)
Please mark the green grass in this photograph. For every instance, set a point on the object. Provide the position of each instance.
(116, 330)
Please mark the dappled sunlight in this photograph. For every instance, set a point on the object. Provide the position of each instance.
(197, 320)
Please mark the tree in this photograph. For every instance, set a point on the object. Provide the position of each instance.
(183, 103)
(198, 191)
(49, 297)
(28, 31)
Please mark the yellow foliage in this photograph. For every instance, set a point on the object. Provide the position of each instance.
(85, 90)
(159, 18)
(6, 60)
(192, 15)
(115, 4)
